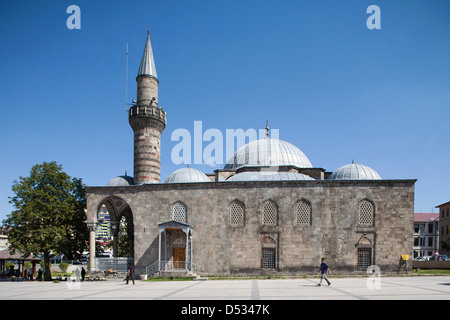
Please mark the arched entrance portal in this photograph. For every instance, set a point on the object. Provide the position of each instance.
(119, 210)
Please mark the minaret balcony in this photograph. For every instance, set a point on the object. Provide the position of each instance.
(147, 116)
(148, 111)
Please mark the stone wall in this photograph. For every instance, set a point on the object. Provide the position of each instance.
(220, 248)
(431, 264)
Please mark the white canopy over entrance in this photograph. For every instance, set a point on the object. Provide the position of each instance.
(181, 255)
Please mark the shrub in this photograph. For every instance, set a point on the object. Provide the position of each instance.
(63, 266)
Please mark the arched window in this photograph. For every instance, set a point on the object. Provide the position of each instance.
(269, 213)
(365, 213)
(236, 214)
(179, 212)
(302, 213)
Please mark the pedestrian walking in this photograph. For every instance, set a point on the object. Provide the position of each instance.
(130, 273)
(324, 269)
(83, 273)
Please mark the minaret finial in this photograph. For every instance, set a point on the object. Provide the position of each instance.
(147, 66)
(267, 129)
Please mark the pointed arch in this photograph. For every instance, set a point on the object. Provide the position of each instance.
(117, 208)
(269, 213)
(179, 212)
(302, 213)
(236, 213)
(366, 213)
(269, 251)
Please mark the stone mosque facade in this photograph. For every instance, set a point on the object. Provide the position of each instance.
(268, 211)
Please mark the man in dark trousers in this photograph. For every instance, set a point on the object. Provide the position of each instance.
(83, 273)
(130, 273)
(324, 269)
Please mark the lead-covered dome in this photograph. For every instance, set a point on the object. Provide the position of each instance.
(354, 171)
(268, 152)
(269, 176)
(187, 175)
(121, 181)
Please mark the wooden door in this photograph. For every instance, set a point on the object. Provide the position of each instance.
(179, 257)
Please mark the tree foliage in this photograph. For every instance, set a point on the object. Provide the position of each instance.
(123, 243)
(49, 213)
(446, 245)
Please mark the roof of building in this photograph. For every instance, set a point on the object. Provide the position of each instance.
(444, 204)
(266, 153)
(184, 175)
(354, 171)
(425, 216)
(269, 176)
(147, 66)
(6, 255)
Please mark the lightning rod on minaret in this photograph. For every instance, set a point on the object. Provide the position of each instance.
(126, 81)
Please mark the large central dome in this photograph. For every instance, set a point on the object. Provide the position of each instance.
(268, 152)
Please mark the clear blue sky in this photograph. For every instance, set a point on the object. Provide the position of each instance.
(334, 88)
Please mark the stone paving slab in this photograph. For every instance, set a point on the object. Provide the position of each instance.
(389, 288)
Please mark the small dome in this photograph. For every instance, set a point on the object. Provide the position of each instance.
(121, 181)
(269, 176)
(268, 152)
(354, 171)
(187, 175)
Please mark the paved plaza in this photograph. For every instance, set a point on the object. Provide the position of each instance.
(388, 288)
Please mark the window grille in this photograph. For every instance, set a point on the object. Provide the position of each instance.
(236, 214)
(268, 258)
(364, 258)
(365, 214)
(303, 214)
(179, 212)
(269, 213)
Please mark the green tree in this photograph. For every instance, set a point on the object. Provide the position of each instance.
(49, 214)
(446, 245)
(123, 245)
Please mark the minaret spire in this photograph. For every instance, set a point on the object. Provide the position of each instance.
(147, 66)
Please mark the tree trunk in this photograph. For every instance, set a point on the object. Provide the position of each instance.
(47, 271)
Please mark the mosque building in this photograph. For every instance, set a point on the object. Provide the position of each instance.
(268, 211)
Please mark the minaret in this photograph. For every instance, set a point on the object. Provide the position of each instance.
(147, 120)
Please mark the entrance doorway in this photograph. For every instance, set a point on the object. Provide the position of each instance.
(179, 258)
